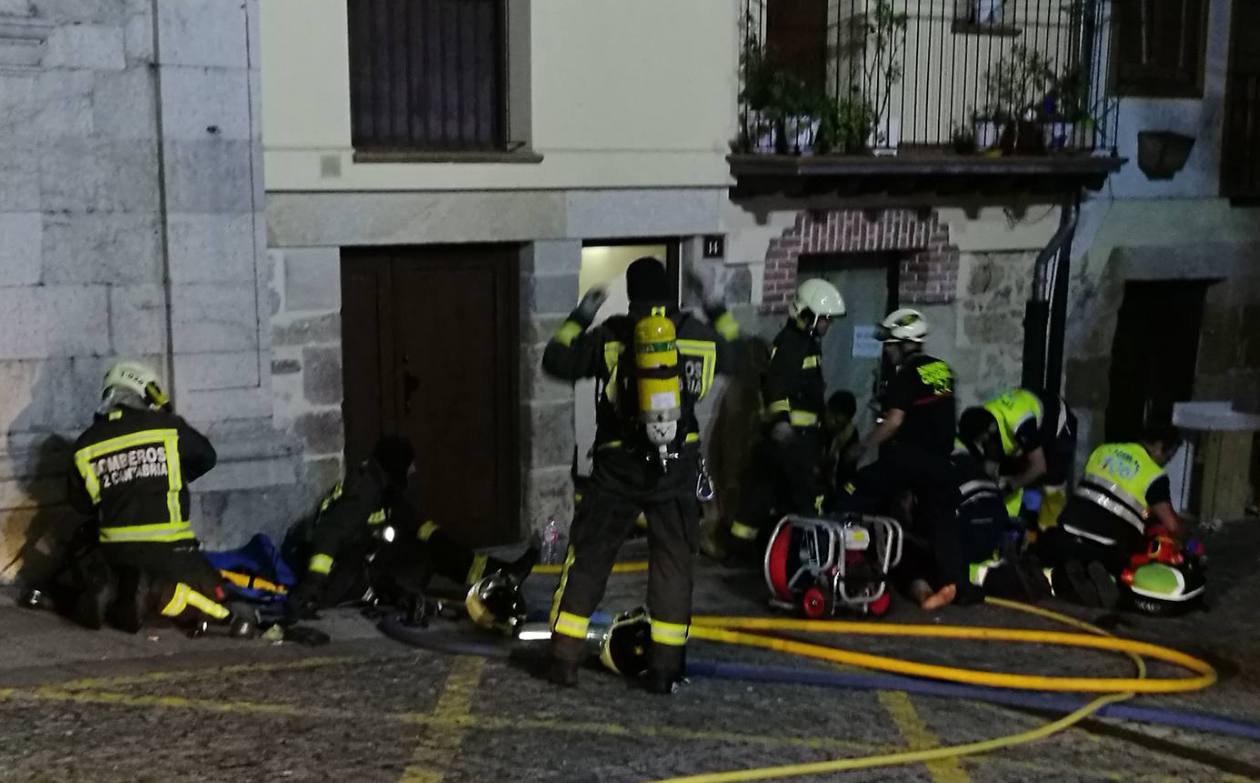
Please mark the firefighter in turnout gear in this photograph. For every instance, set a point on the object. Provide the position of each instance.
(1123, 496)
(915, 437)
(784, 473)
(369, 514)
(131, 471)
(646, 458)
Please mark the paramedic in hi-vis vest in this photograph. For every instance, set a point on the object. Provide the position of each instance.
(651, 365)
(1122, 495)
(1037, 435)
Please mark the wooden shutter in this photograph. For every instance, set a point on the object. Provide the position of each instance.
(426, 74)
(796, 38)
(1159, 47)
(1240, 171)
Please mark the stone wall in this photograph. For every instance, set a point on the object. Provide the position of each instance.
(131, 226)
(549, 284)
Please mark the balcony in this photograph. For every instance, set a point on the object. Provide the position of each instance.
(950, 97)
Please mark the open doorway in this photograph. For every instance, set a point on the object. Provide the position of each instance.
(1154, 354)
(851, 355)
(604, 264)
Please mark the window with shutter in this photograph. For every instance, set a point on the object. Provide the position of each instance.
(1159, 47)
(427, 75)
(796, 39)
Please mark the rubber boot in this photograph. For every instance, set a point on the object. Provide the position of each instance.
(562, 672)
(1104, 585)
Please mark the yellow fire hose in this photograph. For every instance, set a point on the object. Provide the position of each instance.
(738, 630)
(723, 629)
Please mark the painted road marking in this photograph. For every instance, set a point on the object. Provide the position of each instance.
(916, 733)
(439, 746)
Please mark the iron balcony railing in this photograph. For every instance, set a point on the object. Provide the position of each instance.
(926, 76)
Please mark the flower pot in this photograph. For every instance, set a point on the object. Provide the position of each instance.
(801, 132)
(760, 132)
(988, 133)
(1022, 137)
(1059, 134)
(885, 136)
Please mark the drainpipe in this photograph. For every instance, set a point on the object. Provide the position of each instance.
(1045, 316)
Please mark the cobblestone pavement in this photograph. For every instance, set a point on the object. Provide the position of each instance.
(108, 707)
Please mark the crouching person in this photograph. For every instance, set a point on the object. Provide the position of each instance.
(130, 474)
(1119, 534)
(366, 536)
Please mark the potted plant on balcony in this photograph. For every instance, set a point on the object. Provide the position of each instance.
(758, 95)
(876, 40)
(986, 127)
(1017, 83)
(1067, 121)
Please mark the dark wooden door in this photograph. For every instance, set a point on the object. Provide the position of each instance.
(431, 352)
(796, 39)
(1154, 354)
(1240, 171)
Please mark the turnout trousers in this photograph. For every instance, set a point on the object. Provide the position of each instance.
(623, 485)
(782, 478)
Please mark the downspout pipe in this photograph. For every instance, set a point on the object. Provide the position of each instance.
(1059, 305)
(1042, 332)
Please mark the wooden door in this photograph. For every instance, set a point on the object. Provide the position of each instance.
(1240, 169)
(430, 337)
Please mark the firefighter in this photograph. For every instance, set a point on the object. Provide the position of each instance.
(368, 514)
(642, 462)
(915, 438)
(130, 472)
(784, 473)
(1025, 435)
(1123, 496)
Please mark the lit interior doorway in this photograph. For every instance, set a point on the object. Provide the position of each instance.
(604, 264)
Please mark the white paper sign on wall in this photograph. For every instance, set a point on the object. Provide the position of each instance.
(865, 346)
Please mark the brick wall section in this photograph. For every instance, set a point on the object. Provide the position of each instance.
(929, 275)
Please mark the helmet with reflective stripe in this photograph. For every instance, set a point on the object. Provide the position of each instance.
(818, 297)
(495, 603)
(136, 378)
(903, 326)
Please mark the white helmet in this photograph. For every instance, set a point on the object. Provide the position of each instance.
(135, 378)
(818, 297)
(904, 325)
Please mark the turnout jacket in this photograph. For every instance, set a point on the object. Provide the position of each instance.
(349, 514)
(606, 353)
(793, 388)
(131, 471)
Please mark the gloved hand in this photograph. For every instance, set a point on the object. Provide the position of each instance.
(592, 300)
(782, 432)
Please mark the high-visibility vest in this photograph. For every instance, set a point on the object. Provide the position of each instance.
(1117, 478)
(1012, 410)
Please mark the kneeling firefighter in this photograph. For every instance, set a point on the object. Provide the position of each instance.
(1120, 519)
(130, 473)
(651, 365)
(366, 536)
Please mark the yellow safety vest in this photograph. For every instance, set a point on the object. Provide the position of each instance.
(1012, 410)
(1117, 478)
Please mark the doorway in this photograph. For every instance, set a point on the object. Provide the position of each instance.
(1154, 354)
(431, 351)
(851, 355)
(1240, 161)
(604, 264)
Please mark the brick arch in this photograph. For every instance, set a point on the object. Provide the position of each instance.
(929, 271)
